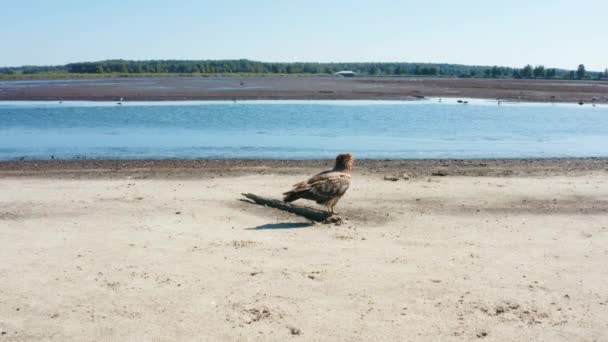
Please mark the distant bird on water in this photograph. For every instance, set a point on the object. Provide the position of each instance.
(119, 101)
(327, 187)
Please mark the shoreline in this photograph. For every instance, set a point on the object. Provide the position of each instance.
(302, 88)
(197, 168)
(447, 100)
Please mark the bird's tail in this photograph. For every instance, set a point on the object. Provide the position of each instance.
(297, 192)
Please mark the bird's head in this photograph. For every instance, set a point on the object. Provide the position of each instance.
(344, 162)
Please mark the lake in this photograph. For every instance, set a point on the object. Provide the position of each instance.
(301, 129)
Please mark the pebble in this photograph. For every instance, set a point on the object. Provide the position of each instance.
(439, 173)
(293, 330)
(482, 334)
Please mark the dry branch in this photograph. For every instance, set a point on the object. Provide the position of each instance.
(309, 213)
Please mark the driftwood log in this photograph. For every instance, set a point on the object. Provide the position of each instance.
(309, 213)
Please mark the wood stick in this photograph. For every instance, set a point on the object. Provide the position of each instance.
(309, 213)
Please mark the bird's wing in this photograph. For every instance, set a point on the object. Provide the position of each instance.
(329, 185)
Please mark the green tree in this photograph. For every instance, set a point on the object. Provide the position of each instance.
(496, 71)
(539, 71)
(580, 72)
(526, 72)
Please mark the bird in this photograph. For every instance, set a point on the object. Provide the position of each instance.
(327, 187)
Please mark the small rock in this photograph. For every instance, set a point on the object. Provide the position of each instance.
(311, 276)
(439, 173)
(178, 212)
(293, 330)
(391, 178)
(482, 334)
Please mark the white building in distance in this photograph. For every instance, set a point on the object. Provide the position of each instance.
(345, 73)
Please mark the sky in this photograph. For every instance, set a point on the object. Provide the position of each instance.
(554, 33)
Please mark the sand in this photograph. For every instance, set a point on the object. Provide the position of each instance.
(132, 257)
(307, 87)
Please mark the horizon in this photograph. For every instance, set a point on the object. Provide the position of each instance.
(296, 62)
(560, 34)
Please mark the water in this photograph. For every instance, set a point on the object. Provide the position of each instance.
(300, 129)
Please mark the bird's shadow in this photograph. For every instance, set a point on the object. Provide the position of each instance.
(283, 225)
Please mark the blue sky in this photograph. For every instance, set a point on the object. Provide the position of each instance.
(555, 33)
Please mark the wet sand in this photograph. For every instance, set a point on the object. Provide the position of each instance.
(489, 250)
(204, 168)
(303, 87)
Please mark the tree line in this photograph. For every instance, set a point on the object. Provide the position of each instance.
(244, 66)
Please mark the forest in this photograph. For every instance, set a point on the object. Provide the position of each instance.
(244, 66)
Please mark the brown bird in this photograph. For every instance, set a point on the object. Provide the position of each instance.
(327, 187)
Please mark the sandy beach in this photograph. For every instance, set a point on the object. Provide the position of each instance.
(164, 251)
(303, 88)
